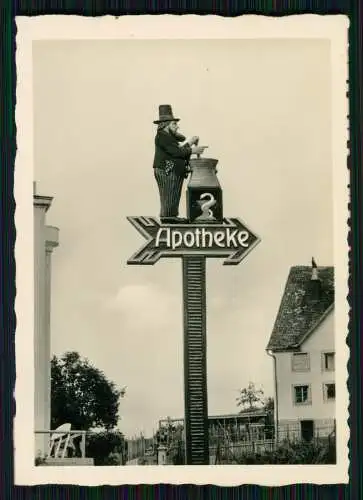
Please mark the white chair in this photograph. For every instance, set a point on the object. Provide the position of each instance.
(60, 441)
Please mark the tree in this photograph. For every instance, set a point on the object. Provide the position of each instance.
(269, 405)
(81, 394)
(250, 397)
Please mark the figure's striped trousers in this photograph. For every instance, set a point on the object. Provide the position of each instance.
(170, 187)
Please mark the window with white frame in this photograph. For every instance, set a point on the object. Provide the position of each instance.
(302, 394)
(329, 391)
(328, 361)
(300, 362)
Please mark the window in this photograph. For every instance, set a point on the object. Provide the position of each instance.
(300, 362)
(329, 391)
(328, 361)
(302, 394)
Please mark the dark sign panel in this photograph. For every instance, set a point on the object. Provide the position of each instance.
(205, 206)
(231, 239)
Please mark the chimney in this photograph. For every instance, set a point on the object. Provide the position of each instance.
(315, 282)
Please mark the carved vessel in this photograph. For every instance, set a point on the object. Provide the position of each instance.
(204, 193)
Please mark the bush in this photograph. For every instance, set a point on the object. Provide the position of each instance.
(113, 459)
(39, 461)
(106, 448)
(293, 453)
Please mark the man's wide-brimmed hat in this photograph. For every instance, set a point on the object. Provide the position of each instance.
(166, 114)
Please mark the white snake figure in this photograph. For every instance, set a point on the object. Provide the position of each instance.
(206, 201)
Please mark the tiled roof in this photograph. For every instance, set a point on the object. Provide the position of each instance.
(299, 309)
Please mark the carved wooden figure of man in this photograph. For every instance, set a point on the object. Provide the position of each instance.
(171, 160)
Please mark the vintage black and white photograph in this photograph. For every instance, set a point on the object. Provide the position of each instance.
(182, 260)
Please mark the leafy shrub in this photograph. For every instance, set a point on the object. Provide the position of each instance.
(39, 461)
(106, 448)
(293, 453)
(113, 459)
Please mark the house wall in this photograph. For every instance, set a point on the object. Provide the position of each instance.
(45, 239)
(319, 410)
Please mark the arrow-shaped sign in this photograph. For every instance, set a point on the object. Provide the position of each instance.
(231, 239)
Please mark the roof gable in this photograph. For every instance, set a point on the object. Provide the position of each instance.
(299, 312)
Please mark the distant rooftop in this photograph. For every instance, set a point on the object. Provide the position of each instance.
(301, 309)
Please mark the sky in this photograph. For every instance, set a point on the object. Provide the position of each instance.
(263, 108)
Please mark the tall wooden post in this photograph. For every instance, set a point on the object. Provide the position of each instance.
(195, 361)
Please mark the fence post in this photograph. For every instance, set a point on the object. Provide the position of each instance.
(162, 455)
(83, 444)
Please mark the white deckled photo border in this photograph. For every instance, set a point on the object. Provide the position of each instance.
(334, 28)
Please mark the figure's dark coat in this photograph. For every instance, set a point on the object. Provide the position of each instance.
(168, 151)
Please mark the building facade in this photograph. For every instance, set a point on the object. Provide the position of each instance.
(303, 349)
(45, 240)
